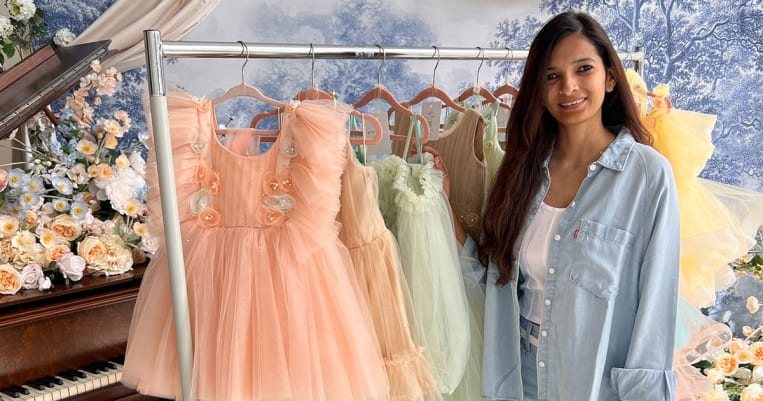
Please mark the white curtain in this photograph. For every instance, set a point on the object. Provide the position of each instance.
(125, 21)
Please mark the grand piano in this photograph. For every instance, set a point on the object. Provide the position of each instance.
(66, 343)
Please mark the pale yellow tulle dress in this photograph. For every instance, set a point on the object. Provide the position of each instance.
(718, 225)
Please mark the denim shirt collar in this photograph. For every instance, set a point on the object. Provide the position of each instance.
(616, 154)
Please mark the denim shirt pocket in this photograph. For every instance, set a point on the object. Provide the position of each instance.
(599, 256)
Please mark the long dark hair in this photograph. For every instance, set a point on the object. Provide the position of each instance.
(532, 130)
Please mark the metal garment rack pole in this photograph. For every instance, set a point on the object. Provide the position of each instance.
(156, 51)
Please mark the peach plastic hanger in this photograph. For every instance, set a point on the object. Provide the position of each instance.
(380, 92)
(313, 93)
(435, 92)
(245, 90)
(479, 90)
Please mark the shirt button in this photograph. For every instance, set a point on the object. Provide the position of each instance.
(572, 204)
(541, 364)
(592, 167)
(547, 302)
(557, 237)
(544, 333)
(551, 270)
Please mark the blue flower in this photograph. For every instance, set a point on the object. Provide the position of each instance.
(79, 210)
(35, 185)
(27, 200)
(17, 178)
(62, 184)
(61, 205)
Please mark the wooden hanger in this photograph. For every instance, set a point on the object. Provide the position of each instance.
(380, 92)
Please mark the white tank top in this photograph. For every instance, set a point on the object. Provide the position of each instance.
(533, 260)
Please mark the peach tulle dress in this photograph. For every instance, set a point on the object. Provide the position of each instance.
(272, 293)
(377, 262)
(718, 225)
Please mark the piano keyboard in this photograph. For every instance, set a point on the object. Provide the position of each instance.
(66, 384)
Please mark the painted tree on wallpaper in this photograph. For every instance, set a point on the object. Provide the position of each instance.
(709, 53)
(349, 79)
(77, 15)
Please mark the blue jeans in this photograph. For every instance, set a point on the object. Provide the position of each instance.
(529, 332)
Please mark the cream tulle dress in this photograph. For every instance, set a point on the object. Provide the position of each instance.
(274, 300)
(377, 262)
(718, 225)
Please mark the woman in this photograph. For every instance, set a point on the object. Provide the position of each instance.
(581, 234)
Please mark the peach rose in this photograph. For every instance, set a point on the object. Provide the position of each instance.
(3, 179)
(54, 254)
(66, 227)
(208, 217)
(10, 279)
(753, 392)
(726, 364)
(93, 250)
(756, 349)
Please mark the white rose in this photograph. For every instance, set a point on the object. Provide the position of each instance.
(72, 266)
(78, 174)
(63, 37)
(137, 163)
(149, 245)
(44, 283)
(23, 239)
(31, 275)
(6, 27)
(21, 10)
(716, 394)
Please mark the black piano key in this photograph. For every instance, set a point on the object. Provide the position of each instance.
(72, 375)
(54, 380)
(92, 369)
(37, 385)
(10, 392)
(110, 365)
(21, 390)
(120, 359)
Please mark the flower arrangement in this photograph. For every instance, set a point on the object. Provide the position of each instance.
(78, 208)
(737, 371)
(25, 26)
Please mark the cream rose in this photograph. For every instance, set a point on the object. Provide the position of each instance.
(118, 257)
(716, 394)
(93, 250)
(31, 254)
(66, 227)
(753, 304)
(753, 392)
(10, 279)
(23, 239)
(7, 251)
(756, 349)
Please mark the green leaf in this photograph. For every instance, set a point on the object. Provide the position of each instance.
(8, 48)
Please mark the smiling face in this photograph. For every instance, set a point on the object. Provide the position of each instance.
(577, 81)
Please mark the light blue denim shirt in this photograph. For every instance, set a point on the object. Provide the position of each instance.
(610, 292)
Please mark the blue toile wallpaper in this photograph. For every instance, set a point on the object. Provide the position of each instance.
(711, 54)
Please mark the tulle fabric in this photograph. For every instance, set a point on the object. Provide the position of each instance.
(274, 303)
(718, 225)
(376, 259)
(718, 221)
(424, 231)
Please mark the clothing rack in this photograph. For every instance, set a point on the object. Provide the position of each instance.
(156, 51)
